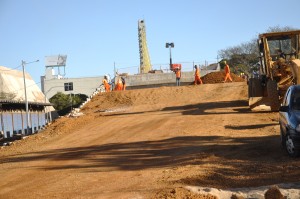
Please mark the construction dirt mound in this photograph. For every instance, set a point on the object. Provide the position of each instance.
(196, 141)
(218, 77)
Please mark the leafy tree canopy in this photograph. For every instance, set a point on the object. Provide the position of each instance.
(244, 57)
(64, 102)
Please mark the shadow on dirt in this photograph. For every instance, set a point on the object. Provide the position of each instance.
(209, 108)
(252, 126)
(213, 105)
(242, 161)
(220, 107)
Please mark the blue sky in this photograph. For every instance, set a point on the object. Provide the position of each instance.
(95, 34)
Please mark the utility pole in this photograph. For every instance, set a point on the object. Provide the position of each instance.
(170, 45)
(26, 101)
(25, 92)
(114, 68)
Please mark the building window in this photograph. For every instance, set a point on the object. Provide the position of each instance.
(69, 86)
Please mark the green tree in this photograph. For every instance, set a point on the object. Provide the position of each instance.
(244, 57)
(60, 101)
(63, 103)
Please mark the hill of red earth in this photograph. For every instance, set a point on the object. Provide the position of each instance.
(162, 142)
(218, 77)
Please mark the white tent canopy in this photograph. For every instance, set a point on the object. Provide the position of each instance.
(12, 84)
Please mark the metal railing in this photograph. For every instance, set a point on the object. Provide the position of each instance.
(15, 123)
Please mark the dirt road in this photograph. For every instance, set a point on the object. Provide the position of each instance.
(150, 143)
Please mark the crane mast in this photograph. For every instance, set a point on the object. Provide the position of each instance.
(145, 64)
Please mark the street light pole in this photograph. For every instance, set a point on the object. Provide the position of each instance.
(170, 57)
(170, 45)
(26, 100)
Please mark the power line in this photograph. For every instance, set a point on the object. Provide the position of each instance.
(11, 68)
(27, 87)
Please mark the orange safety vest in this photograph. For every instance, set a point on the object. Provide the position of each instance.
(227, 69)
(178, 74)
(119, 85)
(106, 85)
(197, 72)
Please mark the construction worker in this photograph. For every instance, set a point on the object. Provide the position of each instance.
(119, 84)
(106, 84)
(197, 76)
(178, 76)
(123, 83)
(280, 54)
(227, 72)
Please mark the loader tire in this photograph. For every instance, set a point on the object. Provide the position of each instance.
(273, 95)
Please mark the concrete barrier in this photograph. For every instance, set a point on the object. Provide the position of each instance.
(150, 80)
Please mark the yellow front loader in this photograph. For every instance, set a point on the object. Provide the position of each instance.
(279, 68)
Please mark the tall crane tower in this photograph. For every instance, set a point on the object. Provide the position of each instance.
(145, 64)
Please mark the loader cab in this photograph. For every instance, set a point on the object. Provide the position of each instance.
(262, 61)
(281, 47)
(276, 45)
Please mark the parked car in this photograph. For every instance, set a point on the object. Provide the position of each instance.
(289, 121)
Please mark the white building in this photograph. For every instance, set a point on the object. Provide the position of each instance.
(52, 84)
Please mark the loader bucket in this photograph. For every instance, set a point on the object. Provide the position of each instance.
(296, 69)
(260, 103)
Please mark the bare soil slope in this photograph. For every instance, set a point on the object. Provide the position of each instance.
(150, 143)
